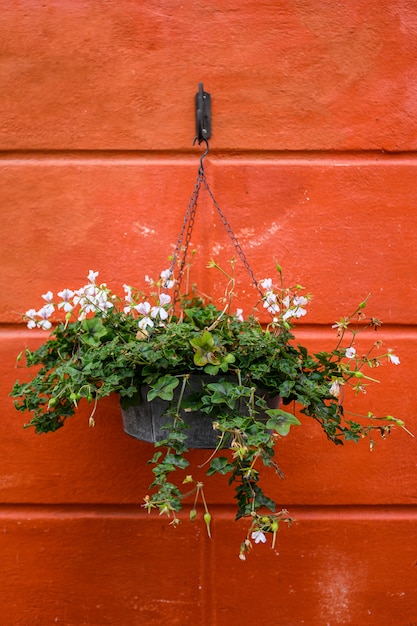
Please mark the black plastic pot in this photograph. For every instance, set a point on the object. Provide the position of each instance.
(145, 421)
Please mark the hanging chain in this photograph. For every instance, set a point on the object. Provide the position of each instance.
(232, 236)
(180, 252)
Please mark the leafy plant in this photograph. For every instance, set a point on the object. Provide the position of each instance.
(106, 344)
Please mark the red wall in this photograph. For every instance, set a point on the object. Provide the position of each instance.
(313, 161)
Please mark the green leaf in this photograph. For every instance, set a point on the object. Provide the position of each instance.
(94, 330)
(281, 421)
(204, 341)
(220, 465)
(285, 388)
(223, 393)
(163, 388)
(205, 350)
(177, 460)
(155, 457)
(213, 370)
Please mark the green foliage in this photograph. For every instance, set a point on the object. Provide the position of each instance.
(163, 388)
(281, 421)
(110, 348)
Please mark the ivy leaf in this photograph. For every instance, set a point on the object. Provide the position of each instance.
(177, 460)
(285, 388)
(223, 393)
(205, 350)
(155, 458)
(281, 421)
(220, 465)
(163, 388)
(94, 330)
(213, 370)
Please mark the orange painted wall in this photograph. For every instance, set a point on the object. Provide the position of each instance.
(313, 160)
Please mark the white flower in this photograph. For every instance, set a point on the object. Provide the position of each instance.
(85, 303)
(164, 298)
(299, 302)
(85, 307)
(143, 308)
(128, 299)
(296, 309)
(90, 291)
(167, 281)
(144, 322)
(31, 315)
(91, 298)
(48, 296)
(128, 293)
(44, 313)
(239, 314)
(44, 324)
(85, 299)
(92, 276)
(258, 536)
(66, 295)
(350, 352)
(299, 312)
(393, 358)
(103, 304)
(158, 310)
(266, 283)
(270, 302)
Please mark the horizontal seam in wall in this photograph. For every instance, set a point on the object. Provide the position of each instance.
(128, 511)
(189, 157)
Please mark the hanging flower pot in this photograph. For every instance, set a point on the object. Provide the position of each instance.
(149, 420)
(208, 371)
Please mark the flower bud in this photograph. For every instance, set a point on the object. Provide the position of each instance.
(207, 519)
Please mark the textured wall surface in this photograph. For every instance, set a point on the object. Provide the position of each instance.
(313, 160)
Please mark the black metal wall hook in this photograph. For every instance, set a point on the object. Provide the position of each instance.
(202, 114)
(205, 153)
